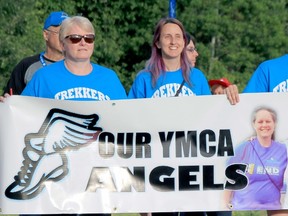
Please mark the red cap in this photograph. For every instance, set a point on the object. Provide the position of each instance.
(223, 81)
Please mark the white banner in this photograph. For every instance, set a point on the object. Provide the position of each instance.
(128, 156)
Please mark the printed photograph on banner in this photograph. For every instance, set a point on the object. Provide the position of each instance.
(260, 163)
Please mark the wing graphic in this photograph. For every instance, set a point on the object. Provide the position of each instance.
(60, 131)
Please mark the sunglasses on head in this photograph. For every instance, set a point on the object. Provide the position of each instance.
(89, 38)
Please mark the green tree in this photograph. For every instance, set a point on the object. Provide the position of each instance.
(21, 31)
(233, 36)
(124, 31)
(16, 28)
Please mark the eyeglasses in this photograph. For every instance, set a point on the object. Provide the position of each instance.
(53, 31)
(191, 49)
(89, 38)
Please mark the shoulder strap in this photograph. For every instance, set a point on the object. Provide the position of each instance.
(270, 178)
(178, 91)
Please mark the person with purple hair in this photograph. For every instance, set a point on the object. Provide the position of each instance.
(168, 72)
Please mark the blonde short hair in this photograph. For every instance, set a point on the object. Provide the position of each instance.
(79, 21)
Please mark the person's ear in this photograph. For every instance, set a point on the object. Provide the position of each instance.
(253, 125)
(158, 45)
(45, 35)
(62, 46)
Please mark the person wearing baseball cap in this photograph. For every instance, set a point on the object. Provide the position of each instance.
(24, 70)
(55, 19)
(218, 85)
(231, 90)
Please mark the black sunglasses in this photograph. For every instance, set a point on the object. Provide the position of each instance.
(89, 38)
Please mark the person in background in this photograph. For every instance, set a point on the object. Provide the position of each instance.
(266, 161)
(191, 49)
(169, 73)
(25, 69)
(217, 86)
(270, 76)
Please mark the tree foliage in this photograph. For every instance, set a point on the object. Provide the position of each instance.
(233, 37)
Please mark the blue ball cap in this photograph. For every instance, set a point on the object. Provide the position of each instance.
(55, 19)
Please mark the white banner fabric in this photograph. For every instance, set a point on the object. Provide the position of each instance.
(125, 156)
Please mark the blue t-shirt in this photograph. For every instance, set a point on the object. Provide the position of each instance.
(167, 85)
(270, 76)
(265, 172)
(55, 81)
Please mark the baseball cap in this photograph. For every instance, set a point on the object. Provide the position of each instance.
(55, 19)
(223, 81)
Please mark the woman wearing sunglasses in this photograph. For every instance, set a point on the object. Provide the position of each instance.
(76, 78)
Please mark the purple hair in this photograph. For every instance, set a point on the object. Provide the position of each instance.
(156, 64)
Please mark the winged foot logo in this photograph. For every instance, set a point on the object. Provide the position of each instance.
(60, 132)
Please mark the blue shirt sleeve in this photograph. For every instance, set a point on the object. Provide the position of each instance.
(258, 81)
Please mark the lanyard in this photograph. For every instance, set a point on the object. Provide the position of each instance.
(42, 59)
(178, 91)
